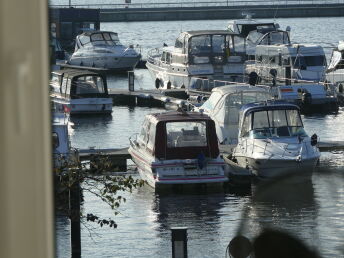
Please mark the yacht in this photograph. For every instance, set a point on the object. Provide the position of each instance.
(102, 49)
(209, 54)
(256, 33)
(80, 91)
(298, 62)
(272, 140)
(178, 148)
(335, 70)
(223, 107)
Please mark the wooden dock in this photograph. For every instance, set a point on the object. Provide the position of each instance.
(119, 157)
(151, 98)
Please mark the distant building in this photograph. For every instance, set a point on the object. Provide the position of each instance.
(67, 23)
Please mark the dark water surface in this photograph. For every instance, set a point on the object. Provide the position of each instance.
(312, 209)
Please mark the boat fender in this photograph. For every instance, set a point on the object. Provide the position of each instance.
(314, 139)
(340, 88)
(253, 78)
(201, 160)
(199, 99)
(169, 85)
(306, 98)
(157, 83)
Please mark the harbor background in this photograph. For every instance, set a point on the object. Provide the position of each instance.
(316, 215)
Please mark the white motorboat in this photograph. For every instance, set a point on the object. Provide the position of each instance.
(298, 62)
(210, 54)
(64, 156)
(223, 107)
(273, 142)
(256, 33)
(102, 49)
(176, 148)
(80, 92)
(335, 70)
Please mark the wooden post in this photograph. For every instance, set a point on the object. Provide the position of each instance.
(74, 206)
(131, 81)
(179, 242)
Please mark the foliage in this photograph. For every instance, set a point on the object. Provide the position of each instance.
(93, 177)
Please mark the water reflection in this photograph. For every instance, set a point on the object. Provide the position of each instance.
(287, 204)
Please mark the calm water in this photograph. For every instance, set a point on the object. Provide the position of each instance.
(311, 209)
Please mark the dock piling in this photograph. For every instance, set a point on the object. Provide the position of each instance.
(179, 242)
(131, 81)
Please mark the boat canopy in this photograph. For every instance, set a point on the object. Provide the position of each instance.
(225, 102)
(213, 46)
(79, 83)
(271, 119)
(97, 38)
(177, 135)
(245, 26)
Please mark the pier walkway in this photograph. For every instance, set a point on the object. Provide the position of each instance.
(207, 10)
(119, 157)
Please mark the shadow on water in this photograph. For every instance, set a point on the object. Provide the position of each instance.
(281, 213)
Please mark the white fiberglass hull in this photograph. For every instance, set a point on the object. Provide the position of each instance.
(110, 62)
(177, 172)
(91, 106)
(270, 168)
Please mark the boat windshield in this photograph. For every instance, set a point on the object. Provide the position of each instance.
(275, 37)
(245, 29)
(100, 39)
(305, 61)
(273, 123)
(186, 134)
(89, 85)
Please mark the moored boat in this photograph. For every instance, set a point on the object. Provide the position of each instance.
(102, 49)
(178, 148)
(211, 54)
(273, 142)
(84, 92)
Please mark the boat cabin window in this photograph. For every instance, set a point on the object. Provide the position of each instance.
(218, 44)
(200, 45)
(275, 37)
(89, 85)
(143, 136)
(305, 61)
(212, 101)
(273, 123)
(84, 39)
(151, 137)
(186, 134)
(239, 44)
(179, 41)
(55, 140)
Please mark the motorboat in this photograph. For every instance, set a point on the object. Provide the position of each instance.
(80, 91)
(256, 33)
(178, 148)
(102, 49)
(208, 54)
(223, 107)
(298, 62)
(272, 140)
(64, 155)
(335, 70)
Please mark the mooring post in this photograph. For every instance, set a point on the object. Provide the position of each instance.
(74, 202)
(288, 75)
(131, 81)
(179, 242)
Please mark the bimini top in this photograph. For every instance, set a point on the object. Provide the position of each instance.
(207, 32)
(76, 73)
(89, 33)
(267, 105)
(175, 116)
(228, 89)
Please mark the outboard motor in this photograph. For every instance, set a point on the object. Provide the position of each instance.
(314, 139)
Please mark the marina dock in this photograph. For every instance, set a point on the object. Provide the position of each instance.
(119, 157)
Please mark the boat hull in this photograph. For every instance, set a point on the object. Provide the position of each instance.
(183, 177)
(270, 168)
(110, 63)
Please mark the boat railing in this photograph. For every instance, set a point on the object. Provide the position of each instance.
(153, 54)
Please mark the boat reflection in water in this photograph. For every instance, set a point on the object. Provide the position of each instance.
(271, 221)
